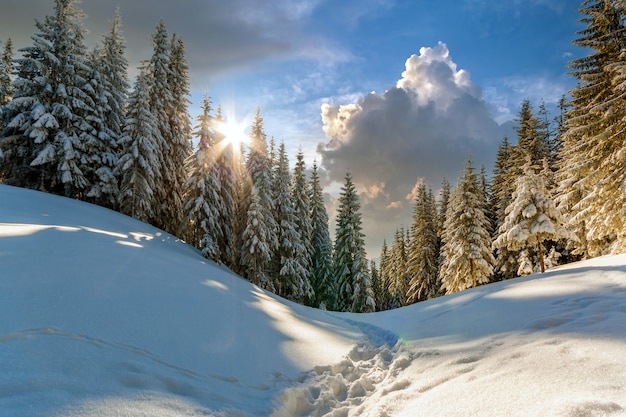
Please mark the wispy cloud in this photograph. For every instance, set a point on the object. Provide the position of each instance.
(506, 94)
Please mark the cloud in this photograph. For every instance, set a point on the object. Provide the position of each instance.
(220, 37)
(426, 126)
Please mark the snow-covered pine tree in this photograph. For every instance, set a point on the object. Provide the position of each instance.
(226, 164)
(110, 84)
(138, 163)
(377, 285)
(6, 76)
(161, 104)
(502, 186)
(422, 251)
(322, 281)
(273, 155)
(363, 298)
(99, 143)
(590, 160)
(384, 272)
(506, 265)
(397, 270)
(302, 205)
(466, 251)
(114, 69)
(241, 200)
(606, 204)
(259, 237)
(487, 189)
(556, 144)
(292, 281)
(532, 140)
(202, 203)
(349, 263)
(47, 115)
(6, 71)
(546, 130)
(442, 207)
(179, 147)
(532, 216)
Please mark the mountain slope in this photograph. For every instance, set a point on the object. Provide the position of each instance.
(106, 316)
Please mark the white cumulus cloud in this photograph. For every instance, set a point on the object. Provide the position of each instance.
(426, 126)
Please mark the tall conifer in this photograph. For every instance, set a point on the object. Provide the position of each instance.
(349, 261)
(292, 280)
(259, 236)
(139, 164)
(422, 251)
(591, 164)
(202, 203)
(324, 288)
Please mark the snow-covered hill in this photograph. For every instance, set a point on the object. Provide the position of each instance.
(101, 315)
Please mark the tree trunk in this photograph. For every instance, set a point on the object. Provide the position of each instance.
(540, 254)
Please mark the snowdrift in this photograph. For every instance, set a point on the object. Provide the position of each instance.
(102, 315)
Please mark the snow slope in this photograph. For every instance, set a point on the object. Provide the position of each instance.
(101, 315)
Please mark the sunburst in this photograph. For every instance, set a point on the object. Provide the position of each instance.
(234, 132)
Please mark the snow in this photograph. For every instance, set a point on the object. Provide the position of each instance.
(103, 315)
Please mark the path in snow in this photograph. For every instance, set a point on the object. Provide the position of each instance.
(339, 389)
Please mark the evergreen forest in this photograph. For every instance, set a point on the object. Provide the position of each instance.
(72, 123)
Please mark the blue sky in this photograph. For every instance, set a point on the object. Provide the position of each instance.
(330, 78)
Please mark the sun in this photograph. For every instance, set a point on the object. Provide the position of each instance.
(234, 132)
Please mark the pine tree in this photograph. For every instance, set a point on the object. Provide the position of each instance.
(487, 189)
(363, 296)
(377, 286)
(506, 265)
(114, 69)
(6, 67)
(241, 201)
(292, 280)
(442, 207)
(532, 140)
(202, 203)
(397, 270)
(556, 145)
(99, 143)
(259, 237)
(590, 165)
(179, 147)
(324, 289)
(160, 100)
(466, 251)
(422, 253)
(227, 161)
(384, 272)
(302, 205)
(502, 186)
(48, 114)
(349, 261)
(548, 134)
(532, 216)
(110, 91)
(138, 164)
